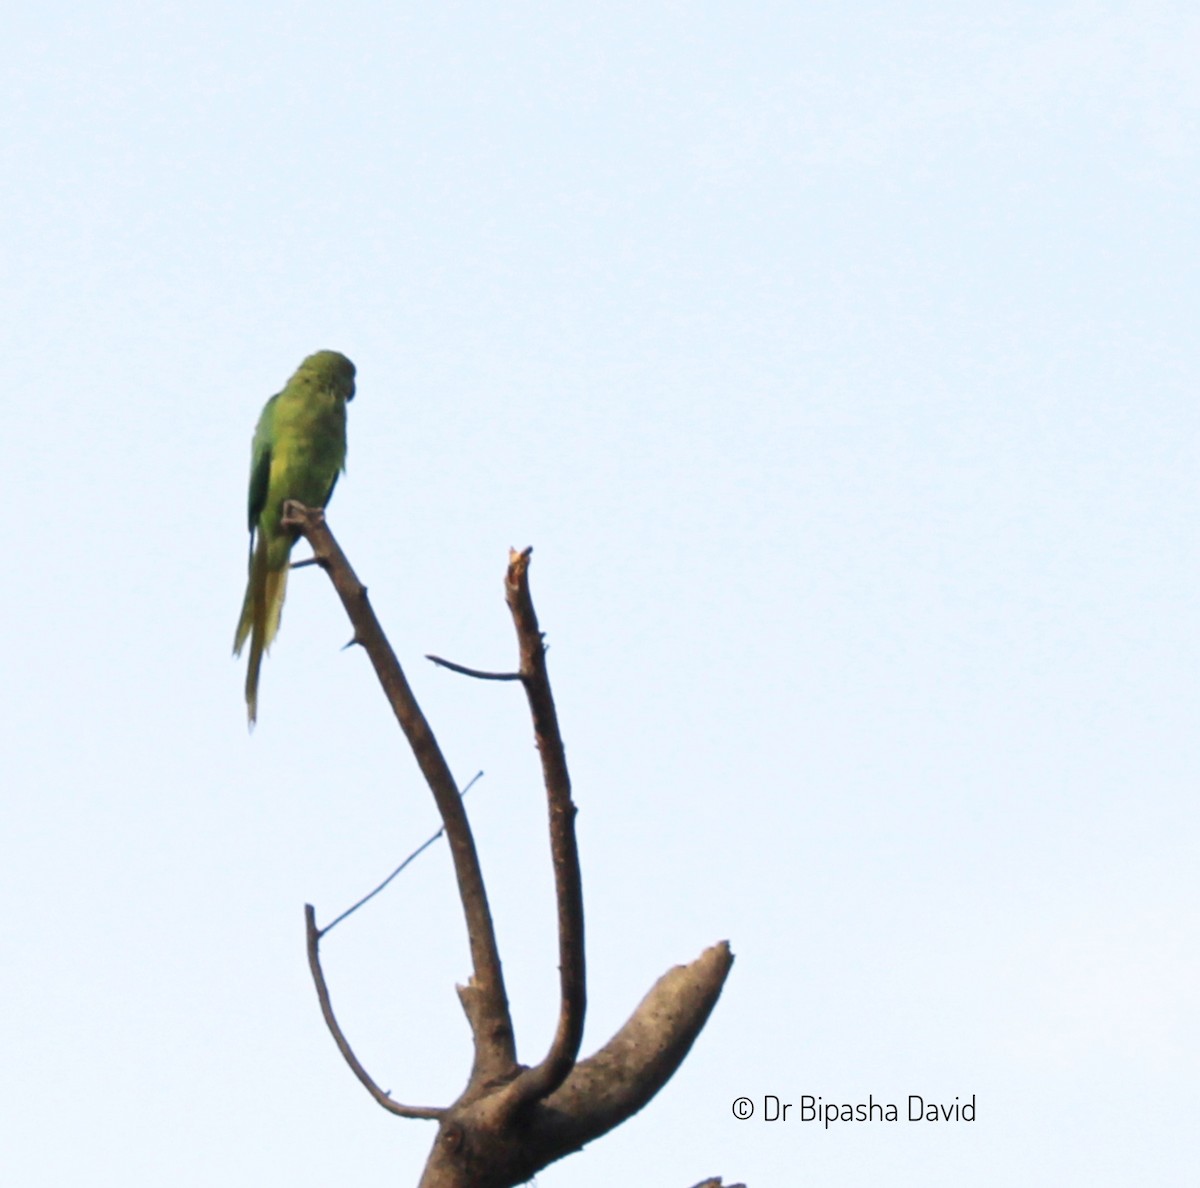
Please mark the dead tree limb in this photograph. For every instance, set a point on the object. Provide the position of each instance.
(477, 673)
(403, 865)
(511, 1121)
(484, 997)
(318, 976)
(539, 1082)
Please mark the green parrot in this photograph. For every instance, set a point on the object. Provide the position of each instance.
(299, 450)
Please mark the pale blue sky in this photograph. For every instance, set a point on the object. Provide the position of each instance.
(840, 364)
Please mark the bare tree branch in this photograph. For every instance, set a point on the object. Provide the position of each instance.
(510, 1122)
(540, 1081)
(484, 999)
(611, 1086)
(411, 858)
(481, 1144)
(478, 674)
(314, 964)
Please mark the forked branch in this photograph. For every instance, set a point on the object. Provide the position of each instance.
(511, 1121)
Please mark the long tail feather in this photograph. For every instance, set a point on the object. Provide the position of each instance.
(261, 611)
(252, 669)
(276, 588)
(254, 582)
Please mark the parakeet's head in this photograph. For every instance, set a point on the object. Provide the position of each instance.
(330, 369)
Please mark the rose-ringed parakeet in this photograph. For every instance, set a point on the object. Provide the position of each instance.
(299, 450)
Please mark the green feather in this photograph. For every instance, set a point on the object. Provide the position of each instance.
(299, 449)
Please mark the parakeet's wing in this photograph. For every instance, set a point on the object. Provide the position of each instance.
(260, 462)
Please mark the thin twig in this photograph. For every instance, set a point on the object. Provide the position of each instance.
(537, 1083)
(484, 998)
(474, 672)
(306, 561)
(314, 964)
(415, 854)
